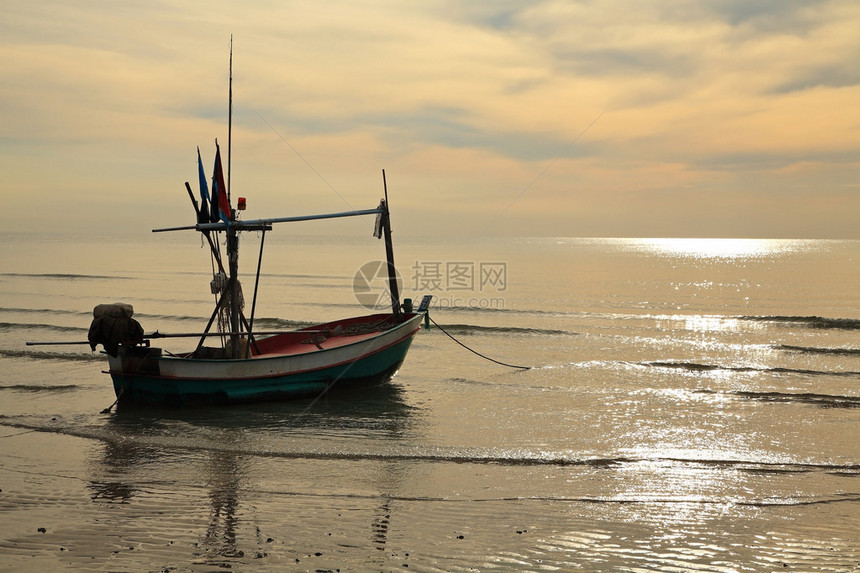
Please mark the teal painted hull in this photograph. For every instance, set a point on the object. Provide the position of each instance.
(163, 391)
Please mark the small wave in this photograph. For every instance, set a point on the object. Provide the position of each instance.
(824, 400)
(142, 316)
(85, 316)
(503, 310)
(9, 326)
(37, 388)
(691, 366)
(520, 457)
(809, 321)
(793, 501)
(764, 467)
(45, 310)
(65, 276)
(596, 500)
(306, 276)
(696, 367)
(465, 329)
(495, 384)
(816, 350)
(684, 500)
(41, 355)
(280, 324)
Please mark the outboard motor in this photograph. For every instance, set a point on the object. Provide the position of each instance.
(113, 325)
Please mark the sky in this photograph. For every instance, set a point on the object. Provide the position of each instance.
(655, 118)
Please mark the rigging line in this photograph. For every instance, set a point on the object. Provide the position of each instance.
(211, 254)
(475, 351)
(322, 393)
(305, 160)
(541, 174)
(325, 390)
(17, 434)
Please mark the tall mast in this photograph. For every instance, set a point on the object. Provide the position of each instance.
(230, 121)
(232, 234)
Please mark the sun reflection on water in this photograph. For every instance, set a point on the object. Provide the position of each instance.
(705, 323)
(714, 248)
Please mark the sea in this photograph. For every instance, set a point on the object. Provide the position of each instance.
(576, 404)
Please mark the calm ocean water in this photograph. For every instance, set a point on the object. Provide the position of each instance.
(693, 406)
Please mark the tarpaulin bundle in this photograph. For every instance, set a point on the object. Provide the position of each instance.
(113, 325)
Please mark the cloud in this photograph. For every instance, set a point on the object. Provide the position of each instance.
(465, 103)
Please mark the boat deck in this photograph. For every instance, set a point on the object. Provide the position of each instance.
(323, 336)
(327, 336)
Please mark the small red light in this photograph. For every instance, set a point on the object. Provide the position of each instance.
(241, 204)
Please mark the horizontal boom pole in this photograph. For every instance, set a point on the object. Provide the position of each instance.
(265, 223)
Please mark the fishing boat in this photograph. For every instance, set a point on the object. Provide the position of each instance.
(249, 366)
(246, 365)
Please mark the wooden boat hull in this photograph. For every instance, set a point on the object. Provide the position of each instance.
(295, 365)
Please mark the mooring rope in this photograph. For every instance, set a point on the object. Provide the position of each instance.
(475, 351)
(331, 384)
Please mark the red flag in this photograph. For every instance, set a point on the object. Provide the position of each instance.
(218, 180)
